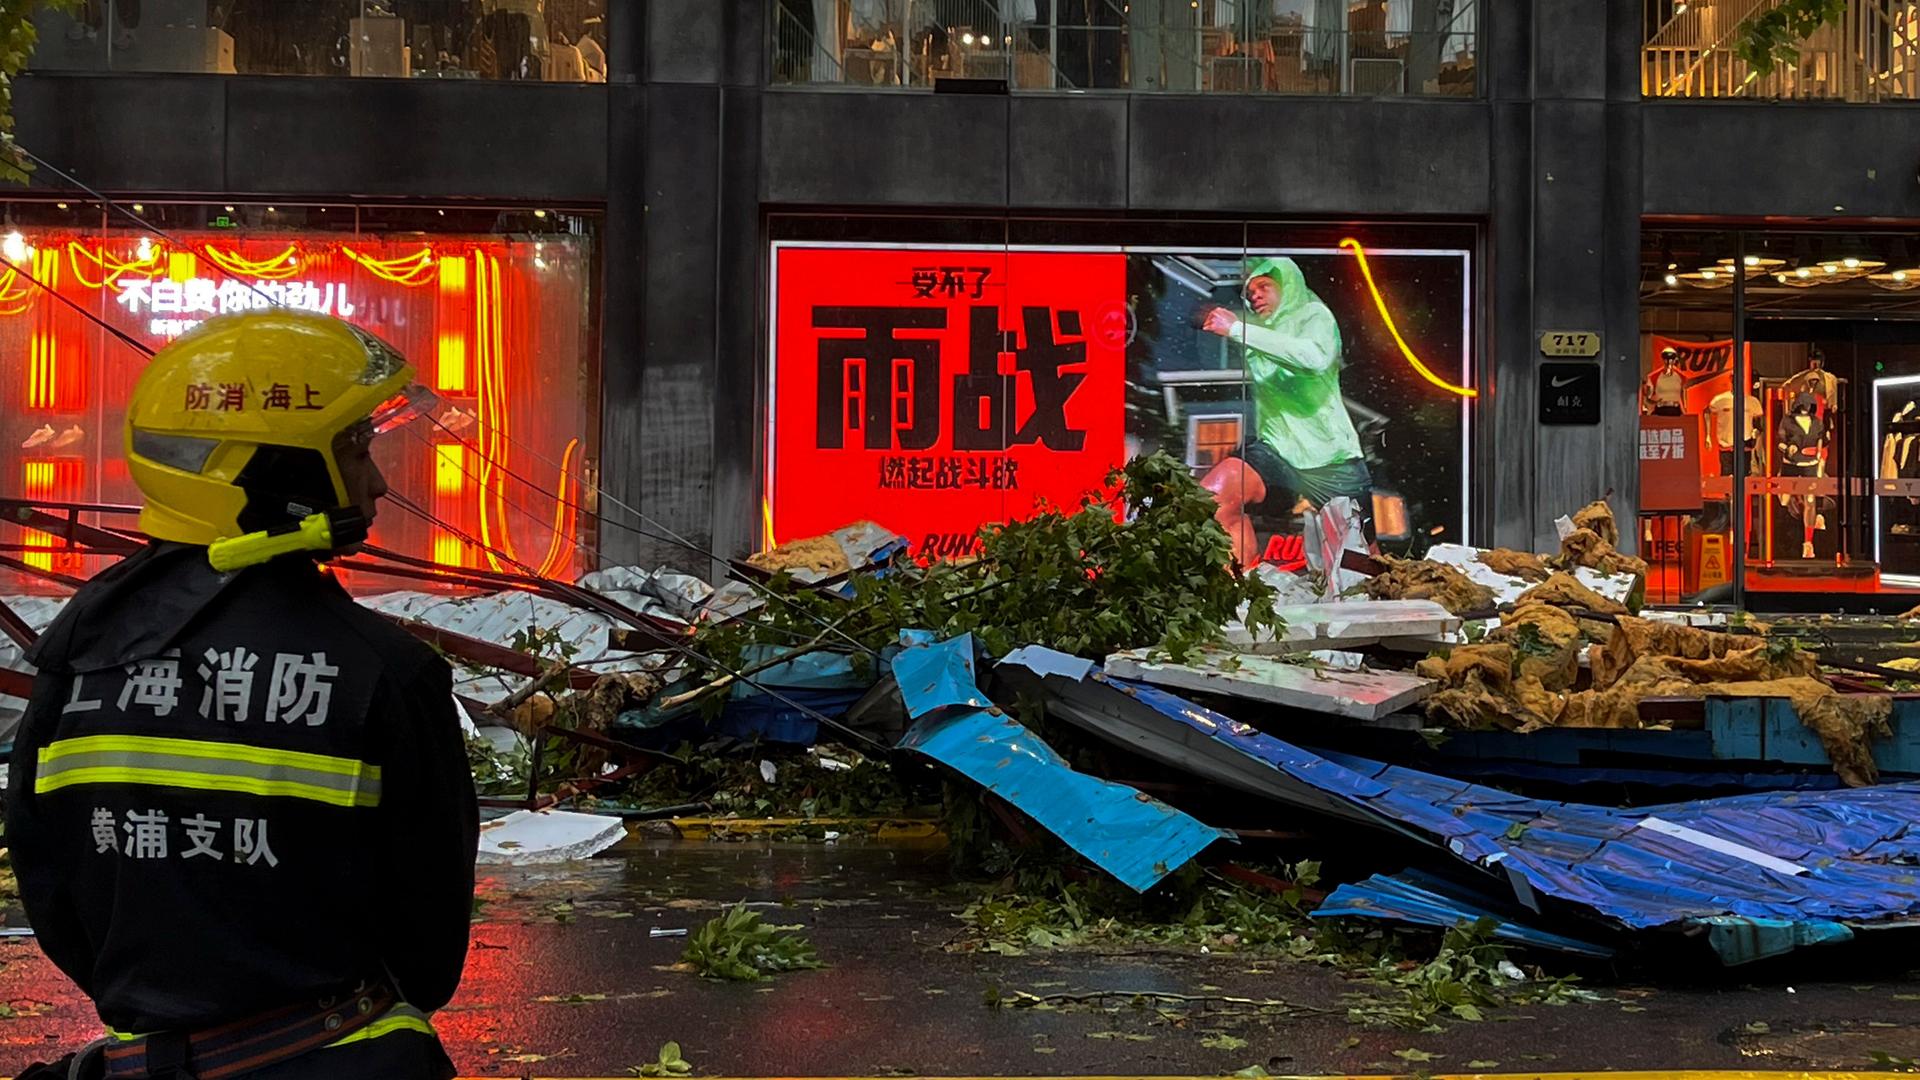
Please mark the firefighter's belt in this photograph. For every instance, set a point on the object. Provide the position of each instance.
(247, 1045)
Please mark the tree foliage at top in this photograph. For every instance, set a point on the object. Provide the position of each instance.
(1141, 564)
(1772, 38)
(18, 36)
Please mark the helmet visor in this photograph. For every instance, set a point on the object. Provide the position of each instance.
(405, 407)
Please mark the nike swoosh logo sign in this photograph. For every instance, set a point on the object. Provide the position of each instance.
(1568, 381)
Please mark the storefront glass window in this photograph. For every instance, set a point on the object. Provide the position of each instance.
(521, 40)
(499, 323)
(1829, 354)
(1316, 379)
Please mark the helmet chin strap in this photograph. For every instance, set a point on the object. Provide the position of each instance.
(340, 527)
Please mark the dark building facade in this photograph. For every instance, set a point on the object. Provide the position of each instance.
(1450, 181)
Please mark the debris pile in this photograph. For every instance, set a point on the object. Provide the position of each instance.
(1422, 579)
(1098, 679)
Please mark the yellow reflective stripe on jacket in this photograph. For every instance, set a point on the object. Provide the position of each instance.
(398, 1018)
(206, 766)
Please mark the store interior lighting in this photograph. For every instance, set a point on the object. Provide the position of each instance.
(1756, 264)
(1708, 277)
(1897, 280)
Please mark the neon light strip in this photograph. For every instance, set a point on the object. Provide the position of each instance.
(1466, 404)
(563, 514)
(283, 265)
(110, 267)
(408, 270)
(1386, 317)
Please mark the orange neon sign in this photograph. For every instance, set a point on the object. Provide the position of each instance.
(1386, 317)
(468, 329)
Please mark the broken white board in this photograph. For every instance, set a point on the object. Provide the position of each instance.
(1508, 587)
(1288, 588)
(1359, 695)
(1469, 632)
(533, 838)
(1704, 618)
(1346, 624)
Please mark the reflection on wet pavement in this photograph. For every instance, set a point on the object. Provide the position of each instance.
(564, 978)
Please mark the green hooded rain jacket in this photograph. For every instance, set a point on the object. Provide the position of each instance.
(1293, 362)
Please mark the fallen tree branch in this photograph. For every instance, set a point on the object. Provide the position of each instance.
(550, 671)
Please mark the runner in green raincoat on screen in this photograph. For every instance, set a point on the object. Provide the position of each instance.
(1304, 443)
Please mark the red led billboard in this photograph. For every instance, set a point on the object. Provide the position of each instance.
(935, 389)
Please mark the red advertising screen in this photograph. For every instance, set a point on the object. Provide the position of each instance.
(933, 391)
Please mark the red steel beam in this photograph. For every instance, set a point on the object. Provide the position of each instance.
(487, 654)
(29, 515)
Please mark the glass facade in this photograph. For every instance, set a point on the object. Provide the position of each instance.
(936, 377)
(1781, 374)
(1360, 47)
(527, 40)
(1691, 49)
(495, 310)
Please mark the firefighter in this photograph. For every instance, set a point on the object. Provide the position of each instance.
(239, 804)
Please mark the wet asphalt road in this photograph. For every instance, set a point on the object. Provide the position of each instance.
(564, 979)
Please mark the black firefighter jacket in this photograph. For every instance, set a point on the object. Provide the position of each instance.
(232, 793)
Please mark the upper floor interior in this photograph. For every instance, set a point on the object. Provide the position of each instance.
(1699, 49)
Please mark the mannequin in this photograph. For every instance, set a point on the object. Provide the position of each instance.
(1893, 453)
(1720, 418)
(1720, 412)
(1802, 445)
(1663, 391)
(1817, 380)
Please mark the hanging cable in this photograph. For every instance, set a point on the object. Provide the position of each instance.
(55, 293)
(459, 462)
(133, 217)
(760, 587)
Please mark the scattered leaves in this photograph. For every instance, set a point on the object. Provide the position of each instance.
(670, 1063)
(738, 946)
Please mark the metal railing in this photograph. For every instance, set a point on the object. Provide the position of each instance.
(1358, 47)
(1871, 54)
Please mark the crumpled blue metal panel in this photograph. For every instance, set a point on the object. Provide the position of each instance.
(1858, 855)
(938, 675)
(1135, 837)
(1413, 897)
(1738, 941)
(1861, 858)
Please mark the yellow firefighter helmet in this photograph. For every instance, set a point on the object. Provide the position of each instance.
(232, 428)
